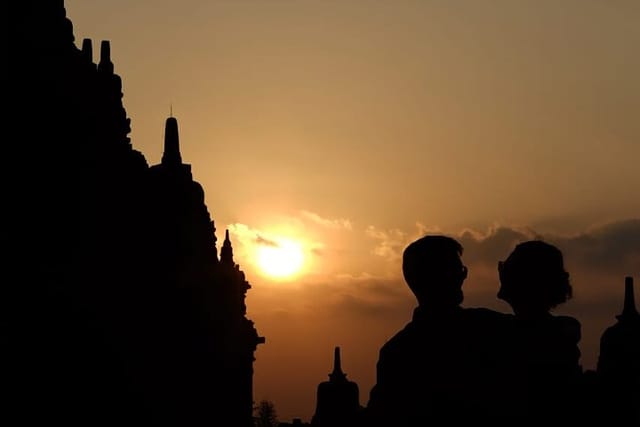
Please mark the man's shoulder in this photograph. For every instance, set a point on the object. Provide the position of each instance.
(402, 334)
(400, 339)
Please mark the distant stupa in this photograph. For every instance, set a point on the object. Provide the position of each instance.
(338, 401)
(619, 363)
(620, 343)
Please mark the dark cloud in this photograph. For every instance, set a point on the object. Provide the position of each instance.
(493, 246)
(612, 248)
(261, 240)
(380, 287)
(365, 295)
(378, 309)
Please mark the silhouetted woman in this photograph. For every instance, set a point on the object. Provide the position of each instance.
(546, 356)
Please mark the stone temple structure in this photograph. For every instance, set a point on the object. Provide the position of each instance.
(338, 400)
(119, 307)
(619, 365)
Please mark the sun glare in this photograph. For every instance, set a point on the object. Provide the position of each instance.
(282, 260)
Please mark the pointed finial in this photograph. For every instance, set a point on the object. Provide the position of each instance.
(170, 110)
(337, 373)
(226, 253)
(629, 310)
(336, 360)
(105, 51)
(87, 50)
(105, 64)
(171, 154)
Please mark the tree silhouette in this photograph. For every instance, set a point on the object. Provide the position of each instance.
(266, 415)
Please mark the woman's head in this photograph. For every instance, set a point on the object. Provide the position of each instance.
(533, 277)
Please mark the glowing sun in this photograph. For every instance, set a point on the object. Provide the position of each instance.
(281, 260)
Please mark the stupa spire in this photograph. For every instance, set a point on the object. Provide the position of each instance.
(171, 154)
(226, 253)
(629, 310)
(87, 50)
(337, 374)
(105, 65)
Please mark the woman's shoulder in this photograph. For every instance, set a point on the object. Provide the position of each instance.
(568, 326)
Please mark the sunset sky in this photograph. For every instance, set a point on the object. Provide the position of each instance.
(338, 131)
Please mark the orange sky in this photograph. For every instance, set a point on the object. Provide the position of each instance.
(351, 127)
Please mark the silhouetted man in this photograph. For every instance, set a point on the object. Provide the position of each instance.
(438, 368)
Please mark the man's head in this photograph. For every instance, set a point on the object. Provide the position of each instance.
(434, 271)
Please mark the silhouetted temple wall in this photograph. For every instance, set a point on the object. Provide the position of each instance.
(121, 309)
